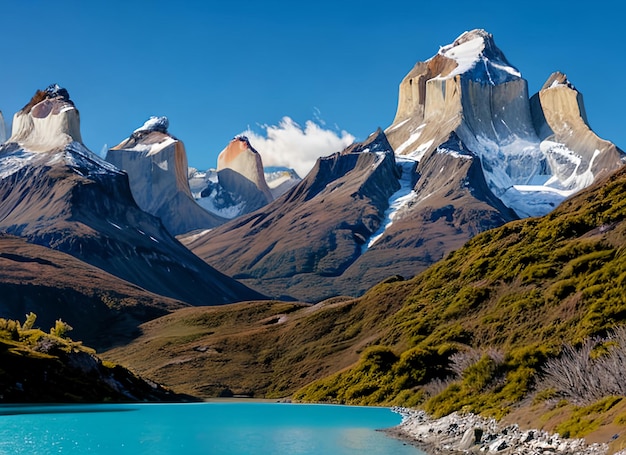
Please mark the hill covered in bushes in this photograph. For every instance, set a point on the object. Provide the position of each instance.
(48, 367)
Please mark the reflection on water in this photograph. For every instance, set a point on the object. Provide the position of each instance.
(17, 409)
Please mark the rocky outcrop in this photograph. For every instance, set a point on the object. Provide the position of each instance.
(240, 173)
(559, 118)
(156, 164)
(68, 199)
(469, 433)
(42, 368)
(48, 122)
(240, 158)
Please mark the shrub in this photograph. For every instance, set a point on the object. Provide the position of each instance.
(378, 357)
(60, 329)
(30, 321)
(587, 374)
(9, 329)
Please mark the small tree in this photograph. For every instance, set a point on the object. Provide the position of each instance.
(30, 321)
(60, 329)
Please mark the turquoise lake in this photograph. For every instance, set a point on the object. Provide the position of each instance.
(199, 428)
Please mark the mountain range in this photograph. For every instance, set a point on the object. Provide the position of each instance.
(467, 151)
(482, 224)
(57, 194)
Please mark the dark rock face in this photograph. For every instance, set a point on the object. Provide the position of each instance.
(54, 91)
(237, 189)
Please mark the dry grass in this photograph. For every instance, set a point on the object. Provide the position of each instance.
(263, 349)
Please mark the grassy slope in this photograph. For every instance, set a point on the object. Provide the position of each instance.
(264, 349)
(518, 292)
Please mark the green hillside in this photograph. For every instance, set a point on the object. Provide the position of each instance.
(477, 329)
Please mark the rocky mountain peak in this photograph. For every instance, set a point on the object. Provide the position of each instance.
(55, 91)
(160, 124)
(48, 122)
(238, 146)
(238, 165)
(533, 153)
(156, 164)
(477, 57)
(441, 88)
(557, 79)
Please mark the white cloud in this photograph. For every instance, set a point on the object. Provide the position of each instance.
(290, 145)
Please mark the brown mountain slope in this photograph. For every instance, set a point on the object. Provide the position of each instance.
(451, 205)
(101, 308)
(298, 244)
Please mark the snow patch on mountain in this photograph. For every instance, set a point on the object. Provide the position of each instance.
(477, 57)
(213, 203)
(533, 200)
(455, 153)
(83, 160)
(160, 124)
(10, 163)
(532, 177)
(75, 155)
(397, 201)
(415, 135)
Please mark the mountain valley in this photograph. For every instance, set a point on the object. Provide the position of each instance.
(447, 262)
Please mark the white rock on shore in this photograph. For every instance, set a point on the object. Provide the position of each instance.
(469, 433)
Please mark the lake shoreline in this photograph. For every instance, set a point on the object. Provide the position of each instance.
(468, 433)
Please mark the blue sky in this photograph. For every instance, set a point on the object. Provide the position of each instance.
(216, 69)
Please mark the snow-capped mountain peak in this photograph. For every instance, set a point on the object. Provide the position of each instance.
(477, 57)
(160, 124)
(533, 152)
(49, 121)
(47, 131)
